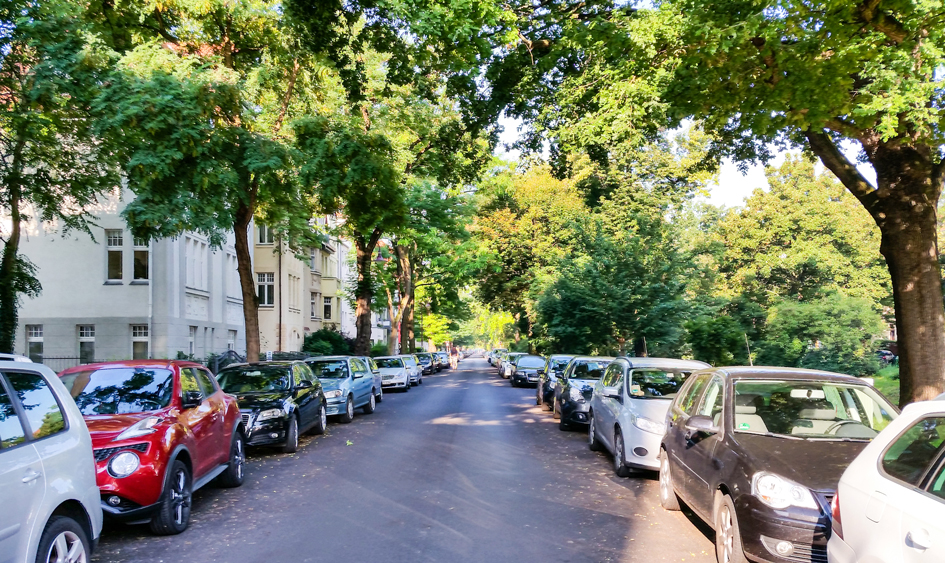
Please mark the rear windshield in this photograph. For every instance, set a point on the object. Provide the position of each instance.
(120, 390)
(389, 363)
(255, 379)
(589, 369)
(329, 369)
(656, 383)
(531, 362)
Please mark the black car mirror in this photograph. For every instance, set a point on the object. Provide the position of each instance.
(191, 399)
(304, 384)
(702, 423)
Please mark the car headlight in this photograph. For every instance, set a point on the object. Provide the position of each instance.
(333, 394)
(123, 464)
(141, 428)
(576, 395)
(648, 425)
(270, 413)
(778, 492)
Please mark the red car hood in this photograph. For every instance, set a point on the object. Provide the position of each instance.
(104, 428)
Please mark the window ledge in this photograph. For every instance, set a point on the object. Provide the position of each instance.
(140, 282)
(113, 282)
(195, 291)
(261, 306)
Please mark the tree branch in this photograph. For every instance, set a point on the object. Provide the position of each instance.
(824, 147)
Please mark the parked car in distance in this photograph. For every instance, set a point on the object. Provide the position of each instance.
(278, 401)
(443, 358)
(414, 369)
(890, 503)
(505, 368)
(161, 429)
(376, 373)
(494, 354)
(628, 409)
(52, 505)
(574, 389)
(525, 370)
(348, 384)
(554, 368)
(757, 452)
(394, 372)
(426, 362)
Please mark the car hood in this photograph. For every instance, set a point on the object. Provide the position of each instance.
(816, 464)
(392, 371)
(653, 409)
(249, 401)
(104, 428)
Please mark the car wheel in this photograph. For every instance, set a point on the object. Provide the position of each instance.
(174, 514)
(512, 382)
(370, 406)
(420, 380)
(592, 442)
(380, 395)
(620, 460)
(728, 540)
(233, 475)
(555, 411)
(322, 423)
(668, 498)
(63, 540)
(292, 437)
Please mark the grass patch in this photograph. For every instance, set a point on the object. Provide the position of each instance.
(886, 382)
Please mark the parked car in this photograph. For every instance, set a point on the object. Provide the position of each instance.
(376, 373)
(278, 401)
(757, 453)
(394, 372)
(508, 360)
(628, 409)
(160, 430)
(348, 384)
(443, 358)
(47, 471)
(4, 357)
(426, 362)
(525, 370)
(414, 369)
(890, 503)
(554, 368)
(886, 357)
(574, 390)
(494, 354)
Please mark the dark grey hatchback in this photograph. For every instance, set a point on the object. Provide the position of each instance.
(757, 453)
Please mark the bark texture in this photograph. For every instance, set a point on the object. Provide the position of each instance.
(244, 268)
(8, 275)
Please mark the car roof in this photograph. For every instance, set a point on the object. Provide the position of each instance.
(267, 363)
(781, 373)
(561, 356)
(664, 363)
(14, 358)
(164, 364)
(397, 357)
(338, 357)
(608, 358)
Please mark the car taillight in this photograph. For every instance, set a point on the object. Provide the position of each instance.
(836, 525)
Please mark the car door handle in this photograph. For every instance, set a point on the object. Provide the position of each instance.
(919, 539)
(31, 475)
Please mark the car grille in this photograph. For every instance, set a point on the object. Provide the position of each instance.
(388, 377)
(105, 453)
(245, 416)
(808, 554)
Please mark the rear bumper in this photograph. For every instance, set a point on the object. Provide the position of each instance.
(839, 551)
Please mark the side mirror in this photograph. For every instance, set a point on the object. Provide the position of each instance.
(613, 393)
(304, 384)
(358, 374)
(191, 399)
(701, 423)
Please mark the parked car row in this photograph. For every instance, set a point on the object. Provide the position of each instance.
(758, 452)
(131, 441)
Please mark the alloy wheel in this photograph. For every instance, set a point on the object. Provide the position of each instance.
(66, 548)
(618, 452)
(726, 534)
(591, 432)
(180, 497)
(349, 408)
(665, 488)
(323, 417)
(238, 456)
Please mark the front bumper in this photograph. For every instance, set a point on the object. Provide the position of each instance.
(762, 528)
(127, 511)
(396, 382)
(575, 412)
(335, 406)
(642, 448)
(525, 378)
(267, 433)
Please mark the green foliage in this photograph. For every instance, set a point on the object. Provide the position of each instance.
(379, 349)
(437, 329)
(326, 342)
(718, 340)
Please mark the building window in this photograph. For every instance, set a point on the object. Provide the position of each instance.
(34, 342)
(314, 305)
(325, 271)
(139, 342)
(233, 277)
(327, 303)
(191, 342)
(313, 260)
(265, 234)
(141, 259)
(114, 242)
(266, 288)
(196, 253)
(231, 340)
(86, 344)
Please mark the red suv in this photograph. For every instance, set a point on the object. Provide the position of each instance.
(160, 430)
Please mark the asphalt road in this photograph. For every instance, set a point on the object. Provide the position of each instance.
(462, 468)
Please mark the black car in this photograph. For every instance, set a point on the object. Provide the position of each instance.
(428, 363)
(278, 401)
(574, 390)
(757, 453)
(525, 370)
(554, 368)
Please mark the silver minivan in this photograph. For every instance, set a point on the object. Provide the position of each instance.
(47, 472)
(628, 409)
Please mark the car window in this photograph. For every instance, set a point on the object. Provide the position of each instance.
(120, 390)
(11, 430)
(937, 482)
(390, 363)
(307, 374)
(205, 382)
(358, 366)
(589, 369)
(44, 416)
(711, 405)
(610, 376)
(298, 376)
(188, 382)
(687, 402)
(253, 378)
(329, 369)
(909, 457)
(652, 383)
(531, 362)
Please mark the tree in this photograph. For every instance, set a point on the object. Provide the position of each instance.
(53, 165)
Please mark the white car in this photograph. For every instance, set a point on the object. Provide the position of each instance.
(52, 503)
(890, 504)
(394, 373)
(4, 357)
(627, 415)
(413, 368)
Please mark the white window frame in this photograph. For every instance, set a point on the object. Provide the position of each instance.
(266, 279)
(140, 333)
(141, 245)
(114, 242)
(264, 235)
(192, 341)
(330, 303)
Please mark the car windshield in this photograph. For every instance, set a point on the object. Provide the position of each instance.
(656, 383)
(531, 362)
(120, 390)
(389, 363)
(329, 369)
(255, 379)
(558, 364)
(410, 361)
(811, 409)
(589, 369)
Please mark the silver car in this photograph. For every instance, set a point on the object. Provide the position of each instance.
(47, 472)
(413, 368)
(394, 373)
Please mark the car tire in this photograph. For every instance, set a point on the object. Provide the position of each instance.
(174, 514)
(233, 475)
(620, 459)
(668, 498)
(728, 540)
(348, 415)
(371, 405)
(291, 437)
(592, 442)
(63, 533)
(555, 412)
(512, 382)
(379, 398)
(420, 380)
(322, 423)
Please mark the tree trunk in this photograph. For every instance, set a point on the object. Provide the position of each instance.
(8, 275)
(364, 292)
(405, 286)
(244, 266)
